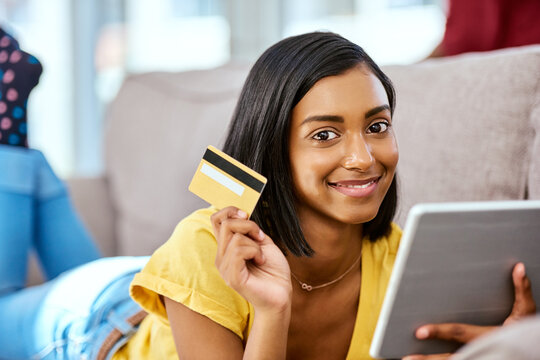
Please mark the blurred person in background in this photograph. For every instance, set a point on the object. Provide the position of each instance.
(484, 25)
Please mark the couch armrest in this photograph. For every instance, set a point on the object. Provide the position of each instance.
(90, 196)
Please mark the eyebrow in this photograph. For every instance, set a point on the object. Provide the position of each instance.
(330, 118)
(339, 119)
(376, 110)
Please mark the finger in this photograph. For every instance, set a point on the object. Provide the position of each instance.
(219, 217)
(524, 303)
(230, 227)
(246, 249)
(230, 251)
(229, 212)
(245, 227)
(462, 333)
(216, 220)
(265, 239)
(428, 357)
(233, 268)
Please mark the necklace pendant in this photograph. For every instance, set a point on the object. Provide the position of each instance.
(307, 287)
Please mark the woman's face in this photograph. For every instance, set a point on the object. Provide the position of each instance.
(342, 147)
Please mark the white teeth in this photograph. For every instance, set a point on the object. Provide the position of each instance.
(356, 186)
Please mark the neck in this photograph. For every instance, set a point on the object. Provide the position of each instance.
(337, 246)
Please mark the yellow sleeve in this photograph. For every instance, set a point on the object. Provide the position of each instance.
(183, 270)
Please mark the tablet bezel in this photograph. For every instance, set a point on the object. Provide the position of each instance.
(384, 344)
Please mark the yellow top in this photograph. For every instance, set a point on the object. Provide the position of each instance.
(183, 269)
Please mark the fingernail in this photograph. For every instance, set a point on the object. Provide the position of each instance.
(521, 270)
(422, 333)
(261, 235)
(242, 213)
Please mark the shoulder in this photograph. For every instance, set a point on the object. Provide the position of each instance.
(190, 250)
(384, 249)
(192, 239)
(194, 230)
(394, 237)
(197, 221)
(388, 243)
(183, 270)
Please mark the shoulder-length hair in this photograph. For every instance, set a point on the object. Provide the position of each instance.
(259, 131)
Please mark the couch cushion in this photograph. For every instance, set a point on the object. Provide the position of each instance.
(534, 170)
(158, 128)
(465, 127)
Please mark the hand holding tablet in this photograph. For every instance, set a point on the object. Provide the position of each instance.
(524, 307)
(454, 265)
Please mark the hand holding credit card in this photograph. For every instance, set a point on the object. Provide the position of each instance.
(223, 181)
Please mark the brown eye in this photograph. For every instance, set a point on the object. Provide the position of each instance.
(378, 127)
(324, 135)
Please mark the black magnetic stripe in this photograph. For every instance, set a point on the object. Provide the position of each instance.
(233, 170)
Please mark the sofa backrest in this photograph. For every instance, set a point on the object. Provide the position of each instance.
(158, 127)
(468, 128)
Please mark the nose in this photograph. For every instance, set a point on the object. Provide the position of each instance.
(357, 154)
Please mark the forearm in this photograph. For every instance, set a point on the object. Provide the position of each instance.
(268, 336)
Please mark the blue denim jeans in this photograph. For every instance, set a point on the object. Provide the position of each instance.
(36, 215)
(85, 309)
(85, 313)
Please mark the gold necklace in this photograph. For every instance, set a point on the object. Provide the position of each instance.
(308, 287)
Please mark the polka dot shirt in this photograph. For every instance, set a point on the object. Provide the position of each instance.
(19, 74)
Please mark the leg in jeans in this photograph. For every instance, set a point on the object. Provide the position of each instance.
(35, 210)
(17, 175)
(61, 241)
(71, 316)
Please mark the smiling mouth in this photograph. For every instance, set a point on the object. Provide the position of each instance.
(355, 188)
(355, 184)
(364, 186)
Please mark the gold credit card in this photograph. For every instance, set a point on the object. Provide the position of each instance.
(223, 181)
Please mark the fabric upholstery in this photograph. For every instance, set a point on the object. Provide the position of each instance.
(465, 127)
(91, 197)
(534, 169)
(518, 341)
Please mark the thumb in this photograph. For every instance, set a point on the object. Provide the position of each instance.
(524, 304)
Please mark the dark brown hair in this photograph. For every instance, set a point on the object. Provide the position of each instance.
(259, 132)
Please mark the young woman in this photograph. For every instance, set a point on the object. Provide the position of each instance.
(305, 277)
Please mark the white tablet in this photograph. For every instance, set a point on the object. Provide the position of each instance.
(454, 264)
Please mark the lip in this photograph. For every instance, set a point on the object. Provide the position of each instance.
(355, 188)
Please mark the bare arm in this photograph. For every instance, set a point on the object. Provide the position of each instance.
(198, 337)
(253, 265)
(268, 338)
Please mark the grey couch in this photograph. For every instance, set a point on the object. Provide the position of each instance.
(468, 128)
